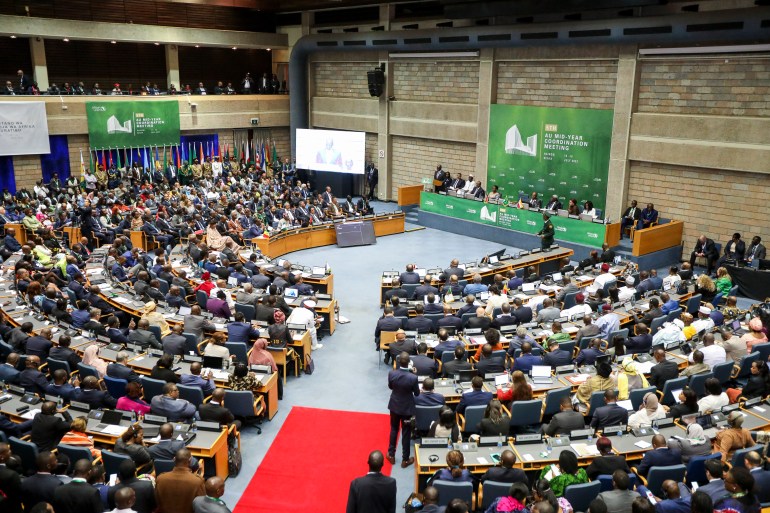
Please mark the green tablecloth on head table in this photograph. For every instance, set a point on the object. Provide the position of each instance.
(511, 218)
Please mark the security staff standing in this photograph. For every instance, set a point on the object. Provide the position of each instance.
(546, 234)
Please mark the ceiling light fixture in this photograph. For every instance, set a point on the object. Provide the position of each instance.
(113, 42)
(235, 47)
(66, 40)
(197, 46)
(13, 37)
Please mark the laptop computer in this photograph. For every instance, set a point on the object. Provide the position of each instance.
(213, 362)
(421, 272)
(184, 311)
(736, 328)
(466, 375)
(109, 418)
(293, 293)
(318, 272)
(528, 289)
(541, 374)
(562, 212)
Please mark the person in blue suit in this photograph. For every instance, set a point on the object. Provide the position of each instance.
(648, 217)
(427, 396)
(476, 397)
(526, 359)
(659, 456)
(753, 462)
(404, 388)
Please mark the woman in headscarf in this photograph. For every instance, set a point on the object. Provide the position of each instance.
(217, 241)
(259, 355)
(650, 410)
(695, 443)
(278, 331)
(155, 318)
(599, 382)
(629, 379)
(206, 285)
(755, 334)
(91, 357)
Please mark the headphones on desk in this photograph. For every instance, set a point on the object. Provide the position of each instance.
(433, 458)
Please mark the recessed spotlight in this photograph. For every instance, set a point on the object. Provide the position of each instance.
(66, 40)
(157, 44)
(235, 47)
(197, 46)
(114, 42)
(13, 37)
(268, 49)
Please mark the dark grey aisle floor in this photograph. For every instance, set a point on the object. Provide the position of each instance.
(347, 376)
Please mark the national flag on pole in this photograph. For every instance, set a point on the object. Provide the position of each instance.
(109, 157)
(193, 154)
(91, 161)
(146, 161)
(275, 153)
(235, 153)
(246, 153)
(117, 158)
(202, 154)
(219, 152)
(262, 156)
(519, 204)
(82, 163)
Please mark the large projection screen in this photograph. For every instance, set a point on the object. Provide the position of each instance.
(336, 151)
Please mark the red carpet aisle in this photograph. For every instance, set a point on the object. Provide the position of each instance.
(313, 459)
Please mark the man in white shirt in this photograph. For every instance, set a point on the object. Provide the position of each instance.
(608, 322)
(672, 279)
(216, 168)
(704, 322)
(604, 278)
(712, 353)
(305, 315)
(469, 184)
(670, 332)
(579, 308)
(627, 292)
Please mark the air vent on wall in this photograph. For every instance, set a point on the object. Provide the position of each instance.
(417, 41)
(539, 35)
(495, 37)
(640, 31)
(454, 39)
(711, 27)
(590, 33)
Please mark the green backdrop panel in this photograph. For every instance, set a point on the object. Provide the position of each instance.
(551, 151)
(133, 124)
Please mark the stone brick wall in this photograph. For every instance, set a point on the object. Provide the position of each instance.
(574, 84)
(282, 139)
(448, 82)
(342, 79)
(27, 170)
(720, 87)
(712, 202)
(413, 159)
(75, 143)
(371, 147)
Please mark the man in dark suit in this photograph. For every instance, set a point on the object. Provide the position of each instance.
(214, 411)
(425, 289)
(556, 357)
(553, 204)
(608, 462)
(589, 355)
(610, 414)
(78, 496)
(648, 217)
(432, 306)
(476, 396)
(374, 492)
(40, 345)
(753, 462)
(641, 342)
(419, 323)
(372, 177)
(479, 321)
(143, 337)
(31, 378)
(386, 323)
(608, 255)
(653, 313)
(489, 364)
(10, 482)
(409, 276)
(47, 428)
(404, 388)
(453, 269)
(396, 290)
(41, 487)
(460, 363)
(167, 446)
(401, 345)
(8, 371)
(427, 396)
(706, 248)
(522, 313)
(716, 485)
(505, 473)
(445, 343)
(734, 250)
(91, 394)
(120, 369)
(663, 370)
(144, 490)
(756, 250)
(398, 310)
(526, 359)
(62, 352)
(449, 320)
(567, 420)
(505, 318)
(424, 365)
(630, 217)
(659, 456)
(61, 387)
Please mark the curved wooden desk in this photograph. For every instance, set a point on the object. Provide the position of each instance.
(323, 235)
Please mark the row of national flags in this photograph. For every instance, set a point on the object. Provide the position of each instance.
(251, 152)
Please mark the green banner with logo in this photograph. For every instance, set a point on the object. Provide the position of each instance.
(470, 210)
(133, 124)
(512, 218)
(550, 151)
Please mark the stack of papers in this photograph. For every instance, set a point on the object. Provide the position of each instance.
(645, 367)
(31, 414)
(584, 450)
(114, 430)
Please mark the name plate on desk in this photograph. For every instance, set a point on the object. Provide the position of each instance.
(434, 442)
(529, 439)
